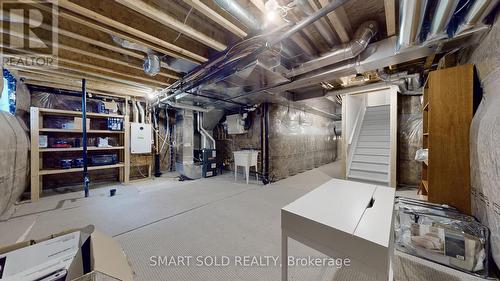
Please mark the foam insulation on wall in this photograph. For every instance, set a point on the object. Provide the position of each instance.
(299, 141)
(485, 161)
(14, 148)
(485, 137)
(409, 139)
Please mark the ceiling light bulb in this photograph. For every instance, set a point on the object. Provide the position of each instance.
(151, 95)
(271, 16)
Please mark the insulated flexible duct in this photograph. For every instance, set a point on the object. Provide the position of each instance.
(340, 53)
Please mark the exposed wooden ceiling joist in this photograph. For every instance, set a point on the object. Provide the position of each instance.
(165, 19)
(390, 16)
(219, 19)
(66, 71)
(91, 85)
(84, 49)
(339, 21)
(78, 77)
(259, 4)
(74, 88)
(154, 39)
(91, 69)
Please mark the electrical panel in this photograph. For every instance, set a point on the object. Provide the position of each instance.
(140, 138)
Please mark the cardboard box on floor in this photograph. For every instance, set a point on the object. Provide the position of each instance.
(99, 257)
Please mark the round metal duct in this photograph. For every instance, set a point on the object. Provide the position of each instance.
(152, 65)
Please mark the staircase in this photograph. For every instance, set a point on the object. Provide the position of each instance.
(371, 158)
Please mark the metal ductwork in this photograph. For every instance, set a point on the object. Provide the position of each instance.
(152, 64)
(442, 16)
(186, 106)
(130, 45)
(320, 26)
(240, 55)
(205, 135)
(135, 112)
(376, 56)
(334, 4)
(411, 16)
(141, 112)
(340, 53)
(476, 14)
(240, 13)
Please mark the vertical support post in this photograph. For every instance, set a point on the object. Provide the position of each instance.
(266, 144)
(86, 179)
(35, 154)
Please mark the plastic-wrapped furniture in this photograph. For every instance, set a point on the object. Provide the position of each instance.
(247, 159)
(441, 234)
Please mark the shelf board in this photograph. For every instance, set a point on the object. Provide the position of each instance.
(72, 170)
(50, 111)
(90, 148)
(55, 130)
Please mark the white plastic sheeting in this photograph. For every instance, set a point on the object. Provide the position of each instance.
(485, 161)
(14, 147)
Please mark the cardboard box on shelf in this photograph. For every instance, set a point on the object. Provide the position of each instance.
(78, 123)
(77, 254)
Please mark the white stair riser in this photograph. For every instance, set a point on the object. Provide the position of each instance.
(378, 108)
(373, 144)
(381, 168)
(371, 159)
(368, 133)
(372, 151)
(384, 138)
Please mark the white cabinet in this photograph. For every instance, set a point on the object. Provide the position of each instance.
(140, 138)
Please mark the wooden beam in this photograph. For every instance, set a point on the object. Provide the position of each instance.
(259, 4)
(222, 21)
(97, 71)
(163, 18)
(49, 76)
(125, 31)
(71, 88)
(390, 16)
(339, 21)
(92, 85)
(66, 71)
(81, 48)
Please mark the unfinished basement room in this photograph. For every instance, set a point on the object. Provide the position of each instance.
(250, 140)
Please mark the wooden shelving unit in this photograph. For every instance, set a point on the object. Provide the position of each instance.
(447, 115)
(37, 153)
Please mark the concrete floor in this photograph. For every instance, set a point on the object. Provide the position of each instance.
(212, 217)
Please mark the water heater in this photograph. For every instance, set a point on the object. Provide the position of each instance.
(141, 138)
